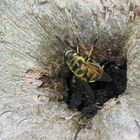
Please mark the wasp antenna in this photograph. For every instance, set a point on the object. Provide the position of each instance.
(78, 46)
(66, 43)
(69, 44)
(75, 30)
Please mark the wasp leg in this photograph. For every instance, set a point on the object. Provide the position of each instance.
(89, 55)
(91, 51)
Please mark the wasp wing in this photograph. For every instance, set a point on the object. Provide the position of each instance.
(105, 78)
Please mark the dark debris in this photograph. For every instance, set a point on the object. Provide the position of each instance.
(89, 98)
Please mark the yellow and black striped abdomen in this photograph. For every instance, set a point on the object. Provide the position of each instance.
(85, 70)
(93, 72)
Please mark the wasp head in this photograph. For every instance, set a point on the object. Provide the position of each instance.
(69, 55)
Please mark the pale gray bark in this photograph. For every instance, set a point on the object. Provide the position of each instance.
(26, 27)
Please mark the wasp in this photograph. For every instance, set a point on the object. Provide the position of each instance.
(80, 64)
(84, 68)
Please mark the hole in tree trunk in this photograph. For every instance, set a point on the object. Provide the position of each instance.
(79, 95)
(90, 97)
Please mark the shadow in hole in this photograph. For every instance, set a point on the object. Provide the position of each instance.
(89, 98)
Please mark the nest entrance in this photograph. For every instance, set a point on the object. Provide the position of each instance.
(89, 98)
(82, 96)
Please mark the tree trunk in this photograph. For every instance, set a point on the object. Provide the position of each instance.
(29, 47)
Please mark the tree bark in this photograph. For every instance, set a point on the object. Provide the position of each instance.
(28, 39)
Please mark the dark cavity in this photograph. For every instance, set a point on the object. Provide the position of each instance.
(89, 98)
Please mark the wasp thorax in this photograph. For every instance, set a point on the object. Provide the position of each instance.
(69, 55)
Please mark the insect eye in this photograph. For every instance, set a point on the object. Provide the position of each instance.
(69, 55)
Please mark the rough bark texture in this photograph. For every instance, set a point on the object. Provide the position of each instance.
(27, 30)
